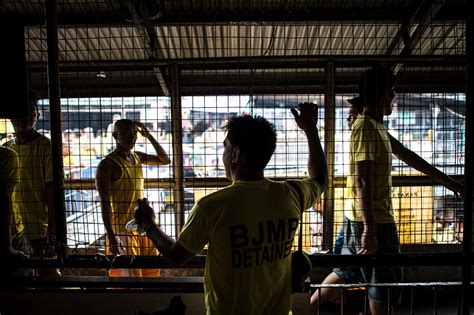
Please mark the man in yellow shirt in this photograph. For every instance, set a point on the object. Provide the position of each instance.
(120, 182)
(33, 196)
(250, 225)
(369, 225)
(9, 177)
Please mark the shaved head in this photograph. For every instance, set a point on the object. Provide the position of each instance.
(123, 125)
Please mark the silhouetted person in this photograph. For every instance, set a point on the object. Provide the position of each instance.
(249, 226)
(34, 194)
(120, 182)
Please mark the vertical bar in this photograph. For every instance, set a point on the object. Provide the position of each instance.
(329, 144)
(389, 304)
(56, 137)
(468, 173)
(412, 300)
(319, 300)
(469, 156)
(178, 192)
(366, 299)
(435, 300)
(342, 299)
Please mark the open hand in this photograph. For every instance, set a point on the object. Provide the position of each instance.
(307, 118)
(116, 246)
(142, 129)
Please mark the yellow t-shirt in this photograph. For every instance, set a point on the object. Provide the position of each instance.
(370, 142)
(125, 191)
(249, 227)
(10, 173)
(29, 197)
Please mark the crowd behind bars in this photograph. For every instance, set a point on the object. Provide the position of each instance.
(369, 226)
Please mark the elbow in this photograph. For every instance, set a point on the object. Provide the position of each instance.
(324, 183)
(164, 159)
(176, 260)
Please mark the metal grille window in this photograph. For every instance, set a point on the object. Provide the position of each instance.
(183, 68)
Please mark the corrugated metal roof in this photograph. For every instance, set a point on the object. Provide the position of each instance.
(94, 32)
(107, 43)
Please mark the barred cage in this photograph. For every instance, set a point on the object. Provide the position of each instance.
(184, 68)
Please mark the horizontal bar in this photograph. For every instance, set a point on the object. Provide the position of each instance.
(272, 17)
(404, 284)
(216, 182)
(158, 284)
(261, 62)
(318, 260)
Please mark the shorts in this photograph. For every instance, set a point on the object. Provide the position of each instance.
(21, 243)
(134, 245)
(388, 243)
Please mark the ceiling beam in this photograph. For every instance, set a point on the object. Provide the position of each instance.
(262, 62)
(199, 83)
(403, 33)
(433, 7)
(366, 15)
(140, 15)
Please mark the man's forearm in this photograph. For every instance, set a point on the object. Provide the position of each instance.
(365, 204)
(364, 189)
(317, 164)
(106, 218)
(50, 205)
(160, 152)
(161, 240)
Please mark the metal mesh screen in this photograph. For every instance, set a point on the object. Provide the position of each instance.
(184, 79)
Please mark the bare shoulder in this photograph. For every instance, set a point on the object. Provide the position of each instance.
(108, 169)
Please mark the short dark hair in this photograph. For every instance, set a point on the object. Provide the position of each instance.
(357, 103)
(255, 136)
(374, 82)
(33, 97)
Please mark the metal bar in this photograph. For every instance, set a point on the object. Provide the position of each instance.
(402, 33)
(423, 24)
(142, 20)
(127, 261)
(366, 301)
(468, 170)
(161, 284)
(342, 300)
(338, 182)
(261, 62)
(177, 148)
(321, 16)
(56, 135)
(329, 144)
(239, 86)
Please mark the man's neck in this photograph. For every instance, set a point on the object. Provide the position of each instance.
(123, 153)
(374, 112)
(247, 175)
(22, 137)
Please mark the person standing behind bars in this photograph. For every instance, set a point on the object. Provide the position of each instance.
(11, 246)
(33, 196)
(369, 226)
(249, 226)
(119, 181)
